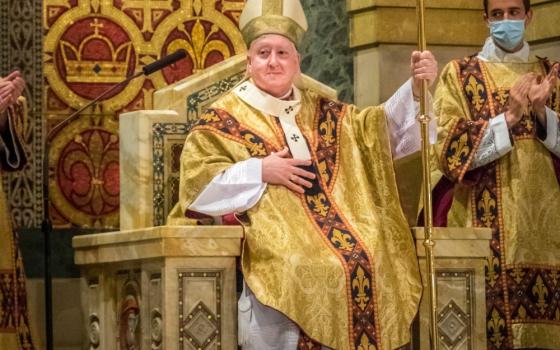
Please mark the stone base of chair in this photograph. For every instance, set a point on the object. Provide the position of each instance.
(168, 287)
(460, 256)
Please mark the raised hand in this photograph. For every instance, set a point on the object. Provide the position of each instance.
(540, 92)
(518, 101)
(11, 87)
(423, 66)
(278, 169)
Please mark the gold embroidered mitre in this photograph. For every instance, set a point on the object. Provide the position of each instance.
(284, 17)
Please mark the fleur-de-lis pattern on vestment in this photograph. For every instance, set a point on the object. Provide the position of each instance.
(324, 213)
(532, 293)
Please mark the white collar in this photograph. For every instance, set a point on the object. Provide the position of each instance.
(268, 104)
(492, 53)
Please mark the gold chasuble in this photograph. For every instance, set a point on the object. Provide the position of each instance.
(338, 260)
(14, 319)
(518, 196)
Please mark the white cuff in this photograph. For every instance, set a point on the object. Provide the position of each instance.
(498, 126)
(404, 131)
(551, 140)
(401, 109)
(237, 189)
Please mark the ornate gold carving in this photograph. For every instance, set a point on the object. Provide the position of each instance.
(477, 90)
(80, 71)
(94, 144)
(361, 283)
(540, 290)
(147, 7)
(487, 204)
(95, 5)
(459, 148)
(365, 344)
(494, 326)
(53, 8)
(343, 239)
(199, 45)
(232, 6)
(327, 128)
(70, 79)
(319, 204)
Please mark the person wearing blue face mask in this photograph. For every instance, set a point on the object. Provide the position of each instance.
(498, 148)
(507, 23)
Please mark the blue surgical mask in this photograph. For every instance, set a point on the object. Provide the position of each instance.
(508, 33)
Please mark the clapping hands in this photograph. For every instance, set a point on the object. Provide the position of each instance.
(530, 93)
(11, 87)
(540, 91)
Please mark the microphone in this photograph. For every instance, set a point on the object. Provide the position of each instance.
(146, 70)
(46, 224)
(164, 62)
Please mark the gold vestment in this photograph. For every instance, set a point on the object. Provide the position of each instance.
(518, 196)
(295, 246)
(14, 319)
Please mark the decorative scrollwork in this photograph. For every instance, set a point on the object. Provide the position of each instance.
(94, 332)
(157, 329)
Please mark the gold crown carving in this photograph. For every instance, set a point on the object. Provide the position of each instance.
(82, 71)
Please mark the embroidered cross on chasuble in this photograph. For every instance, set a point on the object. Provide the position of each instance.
(518, 196)
(342, 266)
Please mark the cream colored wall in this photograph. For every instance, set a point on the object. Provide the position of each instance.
(383, 34)
(379, 71)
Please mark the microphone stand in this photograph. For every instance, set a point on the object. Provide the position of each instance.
(46, 224)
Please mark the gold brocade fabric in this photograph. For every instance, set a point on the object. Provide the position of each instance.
(518, 196)
(287, 261)
(272, 24)
(14, 319)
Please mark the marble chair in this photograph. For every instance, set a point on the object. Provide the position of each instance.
(173, 287)
(151, 285)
